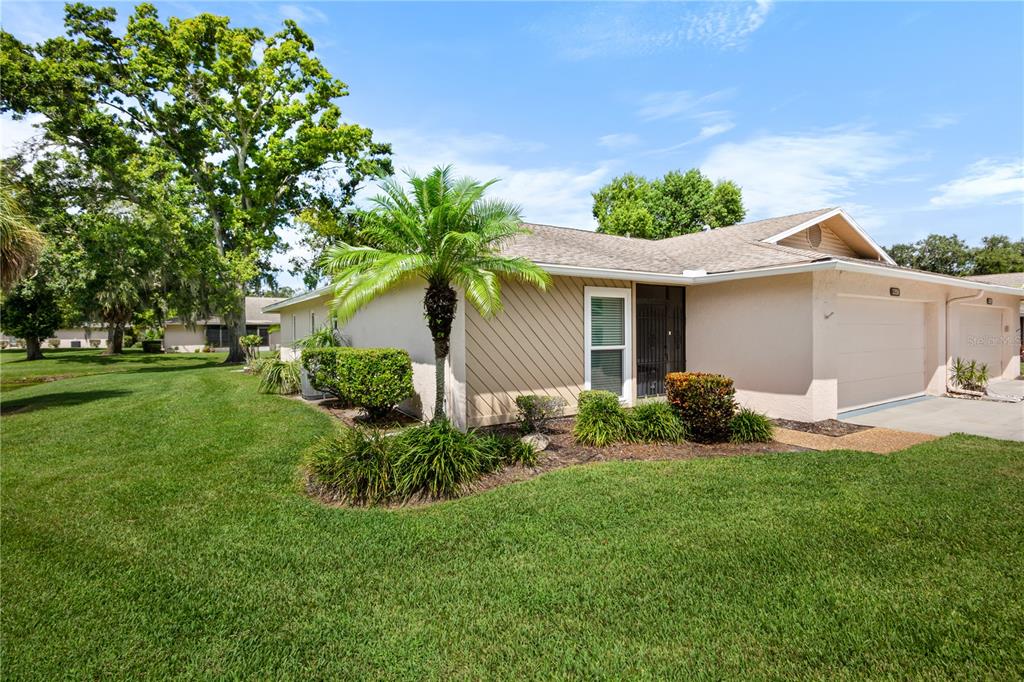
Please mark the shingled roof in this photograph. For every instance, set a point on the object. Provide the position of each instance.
(736, 247)
(1007, 279)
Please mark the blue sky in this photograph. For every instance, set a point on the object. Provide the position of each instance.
(910, 115)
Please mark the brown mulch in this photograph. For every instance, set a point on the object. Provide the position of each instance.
(826, 427)
(564, 452)
(354, 416)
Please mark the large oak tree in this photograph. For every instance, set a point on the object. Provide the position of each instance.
(249, 121)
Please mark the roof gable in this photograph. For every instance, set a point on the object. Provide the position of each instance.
(833, 232)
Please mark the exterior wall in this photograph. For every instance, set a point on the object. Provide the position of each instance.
(535, 345)
(760, 333)
(178, 337)
(81, 334)
(184, 339)
(395, 320)
(830, 243)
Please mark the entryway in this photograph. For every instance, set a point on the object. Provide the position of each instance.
(660, 337)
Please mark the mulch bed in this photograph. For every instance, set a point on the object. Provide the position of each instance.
(826, 427)
(564, 452)
(354, 416)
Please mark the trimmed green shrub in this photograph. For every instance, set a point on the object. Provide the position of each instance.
(748, 426)
(654, 422)
(600, 419)
(278, 376)
(375, 379)
(536, 410)
(438, 460)
(509, 450)
(355, 464)
(705, 403)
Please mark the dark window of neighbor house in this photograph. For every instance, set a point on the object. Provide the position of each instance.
(216, 335)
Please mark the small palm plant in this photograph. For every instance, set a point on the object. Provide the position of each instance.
(445, 233)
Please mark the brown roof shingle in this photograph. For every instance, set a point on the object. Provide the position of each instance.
(737, 247)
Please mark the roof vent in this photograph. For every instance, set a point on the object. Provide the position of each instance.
(814, 235)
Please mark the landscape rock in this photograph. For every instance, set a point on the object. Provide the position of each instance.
(539, 441)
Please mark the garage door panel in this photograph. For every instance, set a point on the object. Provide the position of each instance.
(875, 311)
(881, 350)
(877, 364)
(890, 388)
(860, 338)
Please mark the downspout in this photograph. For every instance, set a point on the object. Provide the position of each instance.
(973, 297)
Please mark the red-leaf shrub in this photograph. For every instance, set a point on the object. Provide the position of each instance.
(705, 402)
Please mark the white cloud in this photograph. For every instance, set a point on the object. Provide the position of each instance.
(682, 103)
(649, 28)
(555, 194)
(938, 121)
(302, 14)
(783, 174)
(618, 140)
(985, 181)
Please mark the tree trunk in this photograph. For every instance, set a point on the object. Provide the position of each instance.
(439, 306)
(33, 350)
(115, 340)
(236, 330)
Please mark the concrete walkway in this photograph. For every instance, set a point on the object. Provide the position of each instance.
(943, 416)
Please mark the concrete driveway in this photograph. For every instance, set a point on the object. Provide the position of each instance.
(943, 416)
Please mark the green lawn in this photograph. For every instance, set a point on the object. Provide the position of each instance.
(16, 372)
(152, 526)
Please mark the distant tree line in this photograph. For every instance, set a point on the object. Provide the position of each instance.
(950, 255)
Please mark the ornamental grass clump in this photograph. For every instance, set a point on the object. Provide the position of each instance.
(438, 460)
(748, 426)
(278, 376)
(705, 403)
(654, 422)
(600, 419)
(355, 466)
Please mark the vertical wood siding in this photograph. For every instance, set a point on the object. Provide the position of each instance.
(830, 243)
(535, 345)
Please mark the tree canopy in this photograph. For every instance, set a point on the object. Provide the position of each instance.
(950, 255)
(246, 123)
(678, 203)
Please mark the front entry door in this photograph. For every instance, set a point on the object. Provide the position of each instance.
(660, 339)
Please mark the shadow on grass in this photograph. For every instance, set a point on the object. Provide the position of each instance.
(68, 399)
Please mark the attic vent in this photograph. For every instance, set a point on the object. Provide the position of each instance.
(814, 235)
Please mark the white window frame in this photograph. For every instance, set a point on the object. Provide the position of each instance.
(627, 348)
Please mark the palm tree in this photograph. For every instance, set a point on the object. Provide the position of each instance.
(446, 234)
(20, 241)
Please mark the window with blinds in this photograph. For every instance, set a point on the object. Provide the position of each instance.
(607, 322)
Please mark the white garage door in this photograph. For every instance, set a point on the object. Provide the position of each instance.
(881, 351)
(980, 334)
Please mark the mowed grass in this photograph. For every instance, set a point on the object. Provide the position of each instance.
(157, 530)
(62, 363)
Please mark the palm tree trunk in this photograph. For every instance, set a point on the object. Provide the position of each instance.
(33, 349)
(115, 341)
(439, 412)
(439, 306)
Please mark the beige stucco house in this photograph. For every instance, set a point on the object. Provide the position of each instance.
(806, 312)
(179, 336)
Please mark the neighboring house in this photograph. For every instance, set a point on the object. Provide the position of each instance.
(212, 332)
(806, 312)
(74, 337)
(1008, 279)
